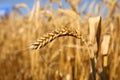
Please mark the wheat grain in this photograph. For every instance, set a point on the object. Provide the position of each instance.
(22, 5)
(53, 35)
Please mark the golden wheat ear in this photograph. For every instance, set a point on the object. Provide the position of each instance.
(53, 35)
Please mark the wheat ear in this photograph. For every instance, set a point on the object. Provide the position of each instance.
(53, 35)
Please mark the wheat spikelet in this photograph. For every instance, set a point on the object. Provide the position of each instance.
(73, 5)
(53, 35)
(113, 7)
(68, 13)
(22, 5)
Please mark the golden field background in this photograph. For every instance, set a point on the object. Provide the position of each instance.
(65, 58)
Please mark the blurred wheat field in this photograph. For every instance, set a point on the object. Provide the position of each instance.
(66, 57)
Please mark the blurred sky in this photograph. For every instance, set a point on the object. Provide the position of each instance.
(43, 2)
(10, 3)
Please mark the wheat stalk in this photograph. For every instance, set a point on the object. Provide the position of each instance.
(53, 35)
